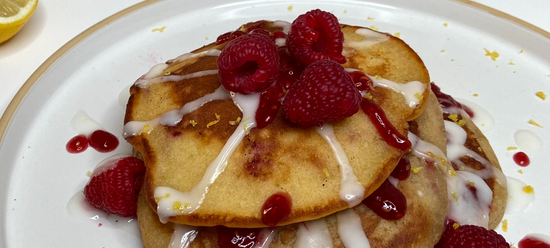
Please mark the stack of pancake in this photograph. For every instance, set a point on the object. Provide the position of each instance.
(180, 121)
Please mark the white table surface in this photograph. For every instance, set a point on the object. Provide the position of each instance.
(55, 22)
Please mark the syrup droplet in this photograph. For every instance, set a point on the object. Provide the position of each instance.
(532, 242)
(521, 159)
(276, 208)
(77, 144)
(387, 202)
(103, 141)
(402, 170)
(384, 126)
(236, 237)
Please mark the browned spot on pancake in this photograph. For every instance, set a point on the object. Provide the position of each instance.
(222, 130)
(413, 127)
(259, 155)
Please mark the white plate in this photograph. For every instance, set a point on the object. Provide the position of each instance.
(38, 177)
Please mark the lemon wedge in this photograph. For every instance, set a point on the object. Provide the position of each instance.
(13, 16)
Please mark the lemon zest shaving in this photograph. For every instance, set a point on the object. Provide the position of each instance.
(532, 122)
(541, 95)
(159, 29)
(193, 123)
(511, 148)
(213, 122)
(528, 189)
(494, 54)
(398, 35)
(505, 225)
(374, 28)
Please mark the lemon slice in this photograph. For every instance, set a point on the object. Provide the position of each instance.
(13, 16)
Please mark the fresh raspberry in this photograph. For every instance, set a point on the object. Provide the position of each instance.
(324, 93)
(115, 185)
(470, 236)
(316, 35)
(248, 64)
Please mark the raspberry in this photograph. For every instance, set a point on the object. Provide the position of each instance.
(114, 186)
(470, 236)
(324, 93)
(248, 64)
(316, 35)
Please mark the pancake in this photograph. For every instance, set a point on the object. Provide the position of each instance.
(421, 226)
(280, 158)
(472, 153)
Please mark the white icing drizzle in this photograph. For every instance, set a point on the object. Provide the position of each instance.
(412, 91)
(528, 141)
(350, 230)
(186, 56)
(482, 118)
(182, 236)
(518, 199)
(82, 123)
(456, 138)
(394, 181)
(173, 117)
(280, 42)
(283, 24)
(144, 83)
(313, 234)
(427, 151)
(173, 202)
(265, 237)
(372, 37)
(156, 70)
(351, 190)
(463, 206)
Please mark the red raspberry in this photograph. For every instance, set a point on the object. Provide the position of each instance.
(248, 64)
(316, 35)
(324, 93)
(114, 187)
(470, 236)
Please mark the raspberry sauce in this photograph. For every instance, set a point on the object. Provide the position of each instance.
(447, 101)
(276, 208)
(387, 202)
(521, 159)
(361, 80)
(403, 169)
(237, 237)
(77, 144)
(531, 242)
(384, 126)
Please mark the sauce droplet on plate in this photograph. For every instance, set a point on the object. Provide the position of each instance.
(521, 159)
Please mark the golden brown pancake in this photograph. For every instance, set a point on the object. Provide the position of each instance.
(422, 225)
(294, 160)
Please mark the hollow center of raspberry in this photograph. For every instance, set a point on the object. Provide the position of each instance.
(247, 69)
(321, 44)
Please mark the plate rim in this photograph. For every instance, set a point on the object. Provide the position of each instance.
(25, 88)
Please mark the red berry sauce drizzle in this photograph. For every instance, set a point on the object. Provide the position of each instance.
(276, 208)
(521, 159)
(387, 202)
(100, 140)
(531, 242)
(403, 169)
(384, 126)
(447, 101)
